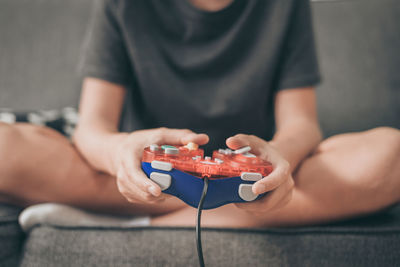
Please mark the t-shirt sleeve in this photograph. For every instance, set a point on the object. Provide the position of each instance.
(104, 53)
(299, 66)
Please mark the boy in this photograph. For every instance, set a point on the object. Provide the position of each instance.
(222, 67)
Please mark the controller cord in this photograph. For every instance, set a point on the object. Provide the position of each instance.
(198, 223)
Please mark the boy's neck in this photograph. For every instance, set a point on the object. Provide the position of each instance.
(210, 5)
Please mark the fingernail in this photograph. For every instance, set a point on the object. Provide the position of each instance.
(153, 190)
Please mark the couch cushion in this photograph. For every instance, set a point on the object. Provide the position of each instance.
(358, 44)
(11, 236)
(370, 241)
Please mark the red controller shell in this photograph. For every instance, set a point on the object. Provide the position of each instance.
(193, 162)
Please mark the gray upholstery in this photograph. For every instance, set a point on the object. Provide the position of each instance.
(40, 45)
(11, 236)
(372, 242)
(358, 45)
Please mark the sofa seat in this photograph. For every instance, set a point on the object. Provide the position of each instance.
(11, 236)
(368, 241)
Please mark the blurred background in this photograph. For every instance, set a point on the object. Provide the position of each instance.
(358, 45)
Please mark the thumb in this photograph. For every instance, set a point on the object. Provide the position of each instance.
(182, 137)
(242, 140)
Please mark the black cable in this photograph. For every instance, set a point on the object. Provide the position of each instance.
(198, 224)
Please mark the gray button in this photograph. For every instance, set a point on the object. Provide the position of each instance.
(171, 150)
(242, 150)
(246, 193)
(161, 165)
(251, 176)
(162, 179)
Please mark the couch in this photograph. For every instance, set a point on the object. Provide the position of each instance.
(358, 45)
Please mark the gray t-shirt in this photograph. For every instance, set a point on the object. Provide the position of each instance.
(212, 72)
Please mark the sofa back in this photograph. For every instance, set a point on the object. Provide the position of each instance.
(358, 44)
(40, 45)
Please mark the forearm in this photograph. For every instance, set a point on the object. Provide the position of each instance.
(96, 143)
(296, 140)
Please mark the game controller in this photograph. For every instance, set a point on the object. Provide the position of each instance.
(180, 170)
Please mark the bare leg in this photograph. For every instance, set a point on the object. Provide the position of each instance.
(38, 165)
(349, 175)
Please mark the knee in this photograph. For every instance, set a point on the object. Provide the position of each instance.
(388, 141)
(381, 172)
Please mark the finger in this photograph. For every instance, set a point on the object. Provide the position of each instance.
(181, 137)
(278, 176)
(270, 201)
(242, 140)
(131, 192)
(135, 174)
(135, 195)
(200, 139)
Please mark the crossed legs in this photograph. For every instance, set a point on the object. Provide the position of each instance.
(348, 175)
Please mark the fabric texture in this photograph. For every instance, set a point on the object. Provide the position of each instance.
(11, 236)
(370, 241)
(212, 72)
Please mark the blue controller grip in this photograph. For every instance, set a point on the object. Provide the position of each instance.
(189, 188)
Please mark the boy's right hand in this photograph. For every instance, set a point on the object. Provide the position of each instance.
(132, 182)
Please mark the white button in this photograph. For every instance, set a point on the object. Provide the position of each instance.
(219, 161)
(246, 193)
(153, 147)
(162, 179)
(227, 152)
(161, 165)
(249, 155)
(242, 150)
(251, 176)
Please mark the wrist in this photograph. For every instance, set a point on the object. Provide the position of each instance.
(113, 142)
(98, 146)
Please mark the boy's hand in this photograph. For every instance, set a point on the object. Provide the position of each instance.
(279, 182)
(131, 180)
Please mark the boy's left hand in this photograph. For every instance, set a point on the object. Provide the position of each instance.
(279, 183)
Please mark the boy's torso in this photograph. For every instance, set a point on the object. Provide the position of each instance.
(211, 72)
